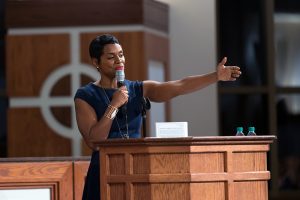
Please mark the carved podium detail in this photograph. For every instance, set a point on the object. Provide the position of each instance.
(193, 168)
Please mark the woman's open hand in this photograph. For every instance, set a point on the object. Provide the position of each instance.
(227, 73)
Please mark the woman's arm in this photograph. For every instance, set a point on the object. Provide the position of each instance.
(159, 92)
(91, 129)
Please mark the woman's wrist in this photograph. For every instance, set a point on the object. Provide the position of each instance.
(111, 112)
(215, 76)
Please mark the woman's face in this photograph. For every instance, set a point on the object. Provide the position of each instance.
(111, 58)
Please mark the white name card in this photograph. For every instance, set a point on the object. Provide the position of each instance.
(171, 129)
(25, 194)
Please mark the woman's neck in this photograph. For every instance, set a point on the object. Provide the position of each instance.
(107, 83)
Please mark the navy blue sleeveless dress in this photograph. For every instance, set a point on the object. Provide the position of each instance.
(96, 98)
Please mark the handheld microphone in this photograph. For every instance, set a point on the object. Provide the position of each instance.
(120, 77)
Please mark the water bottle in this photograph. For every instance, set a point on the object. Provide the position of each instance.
(251, 131)
(239, 131)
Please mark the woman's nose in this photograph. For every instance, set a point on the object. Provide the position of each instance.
(118, 59)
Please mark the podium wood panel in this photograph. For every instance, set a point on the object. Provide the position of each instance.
(57, 176)
(206, 168)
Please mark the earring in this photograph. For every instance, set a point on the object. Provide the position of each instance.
(98, 69)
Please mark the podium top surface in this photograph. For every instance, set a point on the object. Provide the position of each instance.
(204, 140)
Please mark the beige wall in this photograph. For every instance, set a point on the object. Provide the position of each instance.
(193, 51)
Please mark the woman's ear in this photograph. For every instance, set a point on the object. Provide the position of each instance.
(95, 62)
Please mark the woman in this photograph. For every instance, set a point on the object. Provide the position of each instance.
(97, 104)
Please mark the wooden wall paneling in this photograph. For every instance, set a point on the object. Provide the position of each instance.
(133, 47)
(31, 58)
(80, 172)
(156, 15)
(62, 113)
(157, 49)
(37, 13)
(29, 135)
(92, 12)
(58, 176)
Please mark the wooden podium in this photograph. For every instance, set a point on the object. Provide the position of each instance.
(193, 168)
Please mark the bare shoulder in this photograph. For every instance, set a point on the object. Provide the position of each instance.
(82, 106)
(79, 102)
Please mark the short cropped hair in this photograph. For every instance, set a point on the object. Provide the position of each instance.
(97, 45)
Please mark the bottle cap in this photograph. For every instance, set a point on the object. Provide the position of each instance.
(251, 128)
(239, 129)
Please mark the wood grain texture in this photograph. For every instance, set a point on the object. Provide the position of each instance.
(170, 191)
(161, 191)
(188, 143)
(156, 15)
(157, 48)
(62, 114)
(160, 163)
(207, 162)
(30, 59)
(117, 191)
(141, 191)
(55, 175)
(29, 135)
(80, 172)
(249, 161)
(208, 191)
(49, 13)
(250, 190)
(116, 164)
(62, 87)
(187, 168)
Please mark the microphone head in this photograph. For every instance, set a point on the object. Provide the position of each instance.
(120, 75)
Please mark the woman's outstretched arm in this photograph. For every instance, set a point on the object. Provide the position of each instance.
(164, 91)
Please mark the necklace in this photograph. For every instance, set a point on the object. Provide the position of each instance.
(123, 135)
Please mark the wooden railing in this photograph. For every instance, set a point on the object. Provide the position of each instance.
(64, 177)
